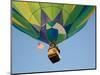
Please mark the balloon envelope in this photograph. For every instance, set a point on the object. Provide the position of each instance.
(50, 21)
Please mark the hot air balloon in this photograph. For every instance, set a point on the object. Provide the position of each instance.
(50, 22)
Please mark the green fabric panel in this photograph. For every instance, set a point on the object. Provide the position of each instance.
(34, 6)
(60, 6)
(74, 14)
(48, 11)
(23, 21)
(81, 20)
(52, 10)
(36, 11)
(37, 15)
(51, 4)
(48, 26)
(24, 9)
(45, 4)
(83, 16)
(76, 30)
(65, 16)
(60, 38)
(68, 8)
(51, 23)
(20, 19)
(18, 23)
(55, 12)
(26, 31)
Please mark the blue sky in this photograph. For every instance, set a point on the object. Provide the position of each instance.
(77, 52)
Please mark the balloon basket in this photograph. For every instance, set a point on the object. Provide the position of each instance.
(54, 54)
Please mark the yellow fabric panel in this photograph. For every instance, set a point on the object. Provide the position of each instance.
(25, 10)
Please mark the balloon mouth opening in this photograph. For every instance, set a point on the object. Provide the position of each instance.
(53, 53)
